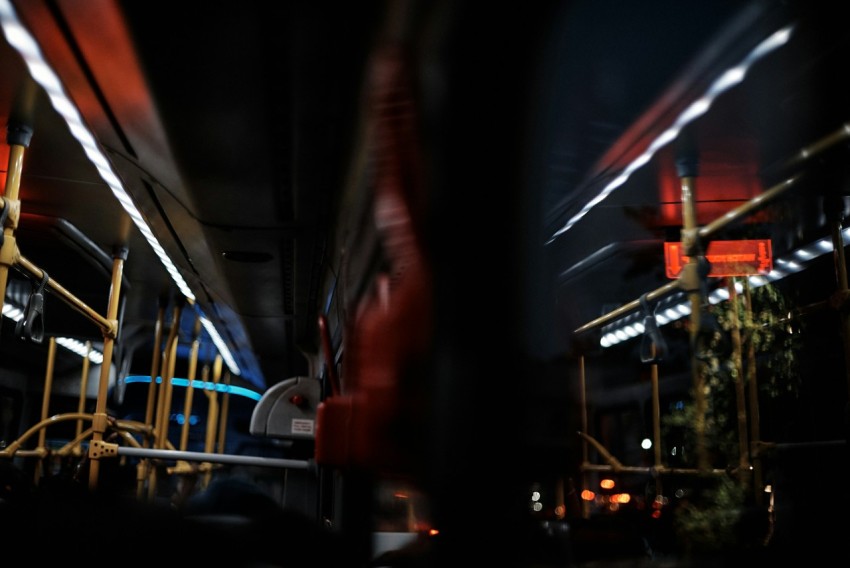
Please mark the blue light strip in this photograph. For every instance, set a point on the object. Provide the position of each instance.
(205, 385)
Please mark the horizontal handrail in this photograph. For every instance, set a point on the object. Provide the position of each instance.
(726, 219)
(107, 327)
(212, 457)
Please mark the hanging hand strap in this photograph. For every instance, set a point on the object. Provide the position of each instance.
(653, 348)
(4, 214)
(31, 326)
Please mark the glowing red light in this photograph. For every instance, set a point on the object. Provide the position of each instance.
(727, 258)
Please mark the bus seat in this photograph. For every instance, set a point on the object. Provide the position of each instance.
(288, 410)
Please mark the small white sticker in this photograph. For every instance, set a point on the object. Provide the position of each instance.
(301, 426)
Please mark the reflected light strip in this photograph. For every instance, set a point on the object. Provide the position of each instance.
(80, 349)
(75, 346)
(205, 385)
(793, 262)
(724, 82)
(12, 312)
(24, 43)
(219, 343)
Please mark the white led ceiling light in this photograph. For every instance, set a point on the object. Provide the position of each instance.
(723, 83)
(24, 43)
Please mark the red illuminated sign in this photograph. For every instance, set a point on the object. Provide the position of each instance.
(727, 258)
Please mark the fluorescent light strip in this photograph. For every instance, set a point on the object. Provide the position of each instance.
(26, 46)
(205, 385)
(726, 81)
(219, 343)
(20, 38)
(13, 312)
(794, 261)
(80, 349)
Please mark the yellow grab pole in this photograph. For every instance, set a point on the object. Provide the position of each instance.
(144, 464)
(687, 170)
(740, 397)
(163, 408)
(100, 419)
(212, 413)
(190, 388)
(752, 382)
(656, 422)
(157, 357)
(162, 400)
(84, 385)
(18, 138)
(222, 420)
(45, 402)
(167, 382)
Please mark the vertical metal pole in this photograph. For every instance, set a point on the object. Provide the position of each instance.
(585, 506)
(656, 423)
(222, 420)
(690, 241)
(740, 398)
(155, 372)
(834, 214)
(45, 403)
(212, 412)
(163, 402)
(143, 469)
(212, 415)
(168, 383)
(99, 421)
(190, 388)
(18, 138)
(752, 382)
(84, 387)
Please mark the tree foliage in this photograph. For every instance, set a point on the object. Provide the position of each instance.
(773, 336)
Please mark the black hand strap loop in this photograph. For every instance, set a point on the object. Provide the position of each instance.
(653, 348)
(4, 214)
(31, 326)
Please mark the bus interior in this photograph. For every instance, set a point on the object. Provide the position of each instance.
(425, 283)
